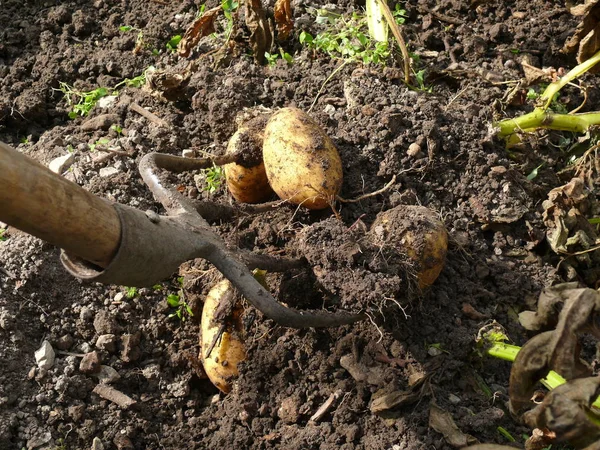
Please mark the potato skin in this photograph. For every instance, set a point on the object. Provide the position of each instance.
(229, 350)
(303, 166)
(417, 232)
(247, 181)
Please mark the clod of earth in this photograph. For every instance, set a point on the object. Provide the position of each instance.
(222, 346)
(302, 163)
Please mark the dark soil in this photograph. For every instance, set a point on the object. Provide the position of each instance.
(497, 261)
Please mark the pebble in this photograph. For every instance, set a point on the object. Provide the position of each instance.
(62, 163)
(90, 363)
(64, 342)
(289, 410)
(455, 400)
(188, 153)
(106, 172)
(104, 323)
(119, 297)
(106, 102)
(97, 444)
(180, 389)
(414, 150)
(86, 313)
(107, 343)
(129, 347)
(107, 375)
(44, 356)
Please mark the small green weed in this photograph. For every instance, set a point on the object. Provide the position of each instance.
(117, 129)
(131, 292)
(213, 178)
(100, 142)
(183, 310)
(272, 58)
(82, 102)
(3, 236)
(346, 38)
(229, 8)
(24, 140)
(173, 43)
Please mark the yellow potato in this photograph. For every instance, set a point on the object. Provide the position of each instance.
(303, 166)
(221, 345)
(247, 180)
(417, 232)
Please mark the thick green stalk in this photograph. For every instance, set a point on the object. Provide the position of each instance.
(541, 118)
(509, 352)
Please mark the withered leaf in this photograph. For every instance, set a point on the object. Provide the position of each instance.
(202, 26)
(586, 39)
(442, 422)
(283, 19)
(261, 37)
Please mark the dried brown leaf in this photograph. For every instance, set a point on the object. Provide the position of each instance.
(283, 19)
(202, 26)
(586, 39)
(261, 37)
(442, 422)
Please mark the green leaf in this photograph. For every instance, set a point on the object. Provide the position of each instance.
(126, 28)
(534, 172)
(173, 300)
(306, 38)
(174, 42)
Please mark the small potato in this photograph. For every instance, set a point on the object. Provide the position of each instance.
(247, 180)
(302, 164)
(417, 232)
(221, 345)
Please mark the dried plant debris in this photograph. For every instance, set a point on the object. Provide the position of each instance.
(261, 34)
(566, 410)
(556, 350)
(442, 422)
(586, 39)
(202, 26)
(283, 19)
(569, 231)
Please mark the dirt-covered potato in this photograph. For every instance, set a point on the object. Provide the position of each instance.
(303, 166)
(247, 180)
(221, 345)
(417, 232)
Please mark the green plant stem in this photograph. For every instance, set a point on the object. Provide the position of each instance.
(509, 352)
(542, 118)
(575, 72)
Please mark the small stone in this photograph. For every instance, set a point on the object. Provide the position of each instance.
(32, 372)
(104, 323)
(85, 347)
(180, 389)
(62, 163)
(434, 351)
(414, 150)
(107, 375)
(289, 410)
(123, 442)
(90, 363)
(119, 297)
(106, 172)
(44, 356)
(97, 444)
(107, 343)
(129, 347)
(101, 122)
(76, 412)
(86, 313)
(188, 153)
(39, 440)
(106, 102)
(454, 399)
(64, 342)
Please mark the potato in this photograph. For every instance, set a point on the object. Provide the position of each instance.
(417, 232)
(247, 180)
(221, 345)
(302, 164)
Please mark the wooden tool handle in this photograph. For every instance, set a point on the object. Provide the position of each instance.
(46, 205)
